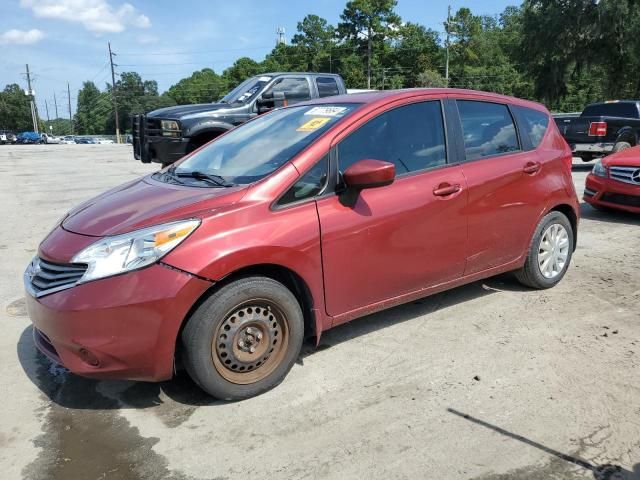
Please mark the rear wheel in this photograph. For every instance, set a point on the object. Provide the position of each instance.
(585, 158)
(244, 338)
(549, 254)
(620, 146)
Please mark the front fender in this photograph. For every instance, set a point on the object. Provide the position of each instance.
(205, 126)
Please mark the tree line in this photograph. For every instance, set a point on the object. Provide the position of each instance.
(564, 53)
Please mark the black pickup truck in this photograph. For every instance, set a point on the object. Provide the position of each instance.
(167, 134)
(602, 128)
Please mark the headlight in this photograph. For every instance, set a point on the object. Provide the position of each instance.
(169, 125)
(599, 170)
(130, 251)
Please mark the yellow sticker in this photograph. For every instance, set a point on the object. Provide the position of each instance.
(313, 124)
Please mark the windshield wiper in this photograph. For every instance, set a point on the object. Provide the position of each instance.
(213, 179)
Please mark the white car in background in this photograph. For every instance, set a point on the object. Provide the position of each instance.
(105, 141)
(46, 138)
(68, 140)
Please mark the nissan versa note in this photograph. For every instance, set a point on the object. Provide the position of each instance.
(295, 222)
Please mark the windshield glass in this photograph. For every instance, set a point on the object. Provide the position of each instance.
(613, 109)
(246, 91)
(257, 148)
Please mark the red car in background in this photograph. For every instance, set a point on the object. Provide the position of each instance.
(295, 222)
(615, 182)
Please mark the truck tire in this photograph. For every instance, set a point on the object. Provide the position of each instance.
(586, 157)
(620, 146)
(244, 338)
(551, 247)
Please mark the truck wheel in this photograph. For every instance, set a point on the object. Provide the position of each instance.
(586, 158)
(549, 253)
(243, 339)
(620, 146)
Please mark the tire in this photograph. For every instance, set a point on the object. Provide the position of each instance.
(253, 312)
(531, 274)
(586, 158)
(620, 146)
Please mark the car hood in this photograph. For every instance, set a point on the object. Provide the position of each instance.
(182, 110)
(143, 203)
(626, 158)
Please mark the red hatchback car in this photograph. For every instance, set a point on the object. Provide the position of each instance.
(615, 182)
(295, 222)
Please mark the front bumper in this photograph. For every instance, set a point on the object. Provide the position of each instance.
(600, 149)
(122, 327)
(149, 145)
(605, 192)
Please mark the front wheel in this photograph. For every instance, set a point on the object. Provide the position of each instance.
(549, 253)
(244, 338)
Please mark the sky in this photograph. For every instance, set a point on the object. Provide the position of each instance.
(66, 40)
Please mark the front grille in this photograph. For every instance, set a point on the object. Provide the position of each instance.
(43, 277)
(589, 193)
(620, 199)
(626, 174)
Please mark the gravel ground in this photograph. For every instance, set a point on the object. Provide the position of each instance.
(486, 381)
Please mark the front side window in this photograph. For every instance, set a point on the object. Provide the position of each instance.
(309, 185)
(411, 137)
(295, 90)
(257, 148)
(246, 91)
(327, 86)
(488, 129)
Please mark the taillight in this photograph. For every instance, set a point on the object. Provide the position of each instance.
(598, 129)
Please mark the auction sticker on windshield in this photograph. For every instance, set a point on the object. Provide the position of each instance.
(313, 124)
(327, 111)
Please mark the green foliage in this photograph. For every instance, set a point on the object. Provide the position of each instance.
(431, 79)
(15, 112)
(201, 87)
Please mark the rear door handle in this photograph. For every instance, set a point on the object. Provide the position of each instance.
(445, 189)
(532, 167)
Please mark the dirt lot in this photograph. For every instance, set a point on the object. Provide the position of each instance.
(487, 381)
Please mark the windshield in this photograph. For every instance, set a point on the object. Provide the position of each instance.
(257, 148)
(246, 90)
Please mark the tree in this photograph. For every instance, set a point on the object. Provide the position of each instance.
(15, 112)
(416, 50)
(431, 79)
(368, 22)
(92, 111)
(201, 87)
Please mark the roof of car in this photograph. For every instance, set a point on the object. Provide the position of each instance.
(276, 74)
(385, 96)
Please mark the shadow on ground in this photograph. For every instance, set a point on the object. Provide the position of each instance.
(74, 392)
(600, 472)
(587, 212)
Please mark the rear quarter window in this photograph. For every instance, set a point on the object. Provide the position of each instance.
(533, 124)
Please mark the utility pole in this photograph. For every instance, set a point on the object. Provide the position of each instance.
(113, 94)
(55, 102)
(369, 56)
(46, 106)
(447, 43)
(69, 98)
(32, 101)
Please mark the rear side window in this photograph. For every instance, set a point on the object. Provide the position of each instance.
(534, 124)
(327, 86)
(295, 89)
(488, 129)
(411, 137)
(613, 109)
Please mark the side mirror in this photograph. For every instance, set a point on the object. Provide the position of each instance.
(365, 174)
(369, 174)
(270, 100)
